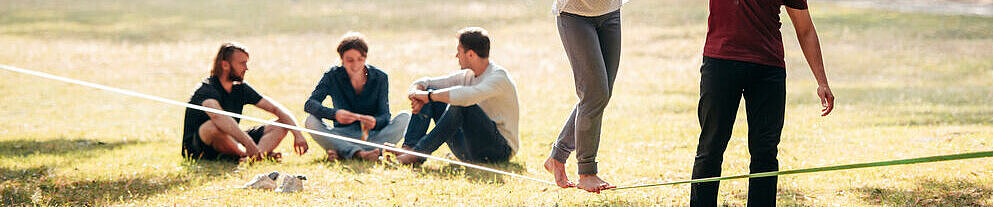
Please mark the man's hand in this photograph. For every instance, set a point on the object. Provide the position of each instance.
(811, 46)
(415, 106)
(285, 117)
(345, 116)
(421, 96)
(416, 101)
(368, 122)
(827, 99)
(299, 143)
(252, 152)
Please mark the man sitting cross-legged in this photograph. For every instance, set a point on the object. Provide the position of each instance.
(215, 136)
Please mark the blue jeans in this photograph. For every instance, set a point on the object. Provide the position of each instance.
(469, 132)
(392, 133)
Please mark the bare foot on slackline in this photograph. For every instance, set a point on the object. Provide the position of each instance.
(558, 170)
(593, 184)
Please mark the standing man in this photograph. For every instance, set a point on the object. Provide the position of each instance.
(743, 56)
(475, 109)
(215, 136)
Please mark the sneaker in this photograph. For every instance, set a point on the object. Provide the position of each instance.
(263, 181)
(291, 184)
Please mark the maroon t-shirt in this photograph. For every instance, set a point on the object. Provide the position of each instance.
(747, 30)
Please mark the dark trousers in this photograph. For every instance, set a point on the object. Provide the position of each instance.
(469, 132)
(722, 84)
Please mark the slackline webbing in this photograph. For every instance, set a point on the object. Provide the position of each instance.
(961, 156)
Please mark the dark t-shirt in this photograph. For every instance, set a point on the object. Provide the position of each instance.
(211, 88)
(747, 30)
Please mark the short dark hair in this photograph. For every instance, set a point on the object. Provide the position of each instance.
(352, 40)
(475, 39)
(224, 54)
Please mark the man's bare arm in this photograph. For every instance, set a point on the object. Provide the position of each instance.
(809, 43)
(284, 116)
(227, 125)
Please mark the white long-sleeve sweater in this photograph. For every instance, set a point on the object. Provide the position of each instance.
(493, 91)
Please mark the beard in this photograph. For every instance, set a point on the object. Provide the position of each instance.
(232, 76)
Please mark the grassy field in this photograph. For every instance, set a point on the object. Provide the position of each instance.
(907, 85)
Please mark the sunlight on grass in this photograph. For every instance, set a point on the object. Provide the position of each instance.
(908, 85)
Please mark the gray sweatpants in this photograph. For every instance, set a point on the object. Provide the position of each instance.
(593, 45)
(392, 133)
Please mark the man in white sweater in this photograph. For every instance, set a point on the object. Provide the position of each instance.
(475, 109)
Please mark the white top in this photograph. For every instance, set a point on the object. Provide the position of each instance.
(590, 8)
(493, 91)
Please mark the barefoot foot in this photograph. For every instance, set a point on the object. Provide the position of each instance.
(371, 155)
(593, 184)
(332, 156)
(558, 170)
(409, 159)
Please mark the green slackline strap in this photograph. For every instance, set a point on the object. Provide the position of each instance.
(939, 158)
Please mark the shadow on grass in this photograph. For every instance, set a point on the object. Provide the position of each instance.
(34, 186)
(792, 197)
(474, 175)
(450, 171)
(209, 168)
(931, 193)
(354, 165)
(784, 197)
(616, 202)
(10, 148)
(39, 186)
(932, 118)
(951, 105)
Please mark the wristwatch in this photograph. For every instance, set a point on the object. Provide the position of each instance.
(430, 91)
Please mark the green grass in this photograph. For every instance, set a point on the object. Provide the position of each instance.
(908, 85)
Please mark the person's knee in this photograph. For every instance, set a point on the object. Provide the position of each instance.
(709, 159)
(763, 148)
(594, 98)
(763, 164)
(277, 130)
(402, 116)
(763, 154)
(208, 131)
(401, 119)
(211, 135)
(454, 110)
(312, 122)
(430, 108)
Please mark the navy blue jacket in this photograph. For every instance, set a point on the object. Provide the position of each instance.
(335, 83)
